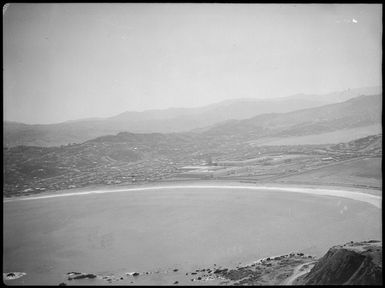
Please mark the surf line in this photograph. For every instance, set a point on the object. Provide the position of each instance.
(364, 197)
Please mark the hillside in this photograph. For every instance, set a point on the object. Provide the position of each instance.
(355, 263)
(70, 164)
(129, 158)
(146, 157)
(361, 111)
(166, 120)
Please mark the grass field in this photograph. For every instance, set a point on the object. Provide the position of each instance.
(358, 172)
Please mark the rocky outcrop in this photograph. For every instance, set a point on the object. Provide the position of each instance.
(355, 263)
(78, 275)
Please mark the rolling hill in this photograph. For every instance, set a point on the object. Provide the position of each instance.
(166, 120)
(359, 112)
(128, 157)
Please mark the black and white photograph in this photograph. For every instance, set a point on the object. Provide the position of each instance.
(192, 144)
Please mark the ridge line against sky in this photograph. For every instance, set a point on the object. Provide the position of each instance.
(74, 61)
(198, 107)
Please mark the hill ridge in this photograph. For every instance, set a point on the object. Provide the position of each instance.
(168, 121)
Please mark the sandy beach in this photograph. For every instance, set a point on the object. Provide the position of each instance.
(354, 195)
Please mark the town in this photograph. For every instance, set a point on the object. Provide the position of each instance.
(51, 169)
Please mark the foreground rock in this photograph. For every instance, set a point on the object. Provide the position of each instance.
(13, 275)
(355, 263)
(78, 275)
(267, 271)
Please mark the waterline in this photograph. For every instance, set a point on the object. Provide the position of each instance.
(358, 196)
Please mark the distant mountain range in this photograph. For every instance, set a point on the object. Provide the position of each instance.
(187, 119)
(361, 111)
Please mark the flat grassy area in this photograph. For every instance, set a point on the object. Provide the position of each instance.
(365, 173)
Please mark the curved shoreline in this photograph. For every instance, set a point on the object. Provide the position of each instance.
(358, 196)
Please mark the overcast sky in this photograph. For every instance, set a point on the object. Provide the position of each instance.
(71, 61)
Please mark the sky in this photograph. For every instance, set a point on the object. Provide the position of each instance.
(71, 61)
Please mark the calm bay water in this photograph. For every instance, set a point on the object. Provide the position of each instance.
(163, 229)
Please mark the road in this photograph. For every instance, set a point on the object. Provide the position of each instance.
(298, 271)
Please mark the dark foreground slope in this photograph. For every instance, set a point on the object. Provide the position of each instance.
(350, 264)
(355, 263)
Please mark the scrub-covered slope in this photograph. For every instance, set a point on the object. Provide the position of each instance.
(355, 263)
